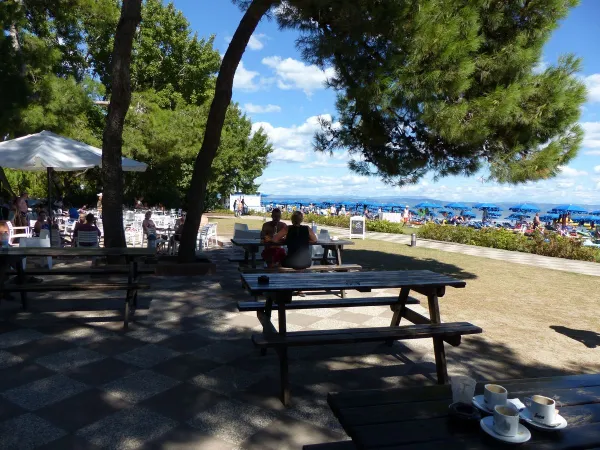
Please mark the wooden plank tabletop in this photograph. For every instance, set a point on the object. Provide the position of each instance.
(281, 282)
(76, 251)
(417, 418)
(257, 242)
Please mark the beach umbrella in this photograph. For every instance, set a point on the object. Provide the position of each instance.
(428, 205)
(469, 214)
(447, 211)
(494, 214)
(570, 208)
(518, 216)
(488, 206)
(549, 217)
(457, 205)
(524, 207)
(595, 213)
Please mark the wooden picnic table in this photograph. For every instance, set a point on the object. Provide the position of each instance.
(14, 256)
(417, 417)
(278, 293)
(251, 246)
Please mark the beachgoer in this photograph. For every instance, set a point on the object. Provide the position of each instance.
(537, 221)
(89, 225)
(297, 237)
(40, 224)
(405, 215)
(271, 254)
(149, 229)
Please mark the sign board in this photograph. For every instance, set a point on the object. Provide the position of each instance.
(358, 227)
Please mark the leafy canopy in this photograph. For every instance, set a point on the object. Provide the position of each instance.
(444, 86)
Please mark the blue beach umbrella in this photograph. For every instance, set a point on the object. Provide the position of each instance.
(469, 214)
(524, 207)
(457, 205)
(488, 206)
(595, 213)
(427, 205)
(518, 216)
(549, 217)
(447, 211)
(494, 215)
(573, 209)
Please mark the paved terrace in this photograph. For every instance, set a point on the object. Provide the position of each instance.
(186, 374)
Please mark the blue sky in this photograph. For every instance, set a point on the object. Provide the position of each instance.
(285, 95)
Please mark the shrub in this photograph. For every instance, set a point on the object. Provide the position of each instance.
(549, 244)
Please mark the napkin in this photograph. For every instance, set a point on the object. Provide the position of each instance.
(517, 403)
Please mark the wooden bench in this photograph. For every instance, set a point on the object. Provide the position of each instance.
(102, 270)
(130, 298)
(242, 261)
(341, 445)
(280, 342)
(335, 303)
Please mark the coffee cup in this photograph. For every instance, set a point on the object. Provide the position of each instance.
(494, 395)
(543, 409)
(506, 420)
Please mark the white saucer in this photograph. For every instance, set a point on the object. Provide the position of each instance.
(560, 423)
(523, 434)
(479, 402)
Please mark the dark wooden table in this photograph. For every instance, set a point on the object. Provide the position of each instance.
(251, 246)
(431, 284)
(417, 418)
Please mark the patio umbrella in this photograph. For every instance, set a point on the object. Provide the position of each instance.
(524, 207)
(429, 205)
(488, 206)
(457, 205)
(573, 209)
(51, 152)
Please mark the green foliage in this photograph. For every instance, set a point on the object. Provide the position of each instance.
(66, 47)
(445, 86)
(548, 244)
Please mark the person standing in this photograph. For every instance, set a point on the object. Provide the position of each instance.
(235, 202)
(405, 215)
(536, 221)
(22, 210)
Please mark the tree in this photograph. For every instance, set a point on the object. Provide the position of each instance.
(445, 86)
(112, 139)
(214, 125)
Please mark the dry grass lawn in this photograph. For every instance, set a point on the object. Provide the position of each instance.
(536, 321)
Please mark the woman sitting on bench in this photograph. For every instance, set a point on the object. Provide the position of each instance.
(297, 237)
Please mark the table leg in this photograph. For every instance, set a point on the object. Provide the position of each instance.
(398, 309)
(283, 351)
(338, 260)
(267, 313)
(325, 255)
(438, 343)
(21, 280)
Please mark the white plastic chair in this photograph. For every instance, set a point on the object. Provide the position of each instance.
(212, 233)
(16, 233)
(36, 242)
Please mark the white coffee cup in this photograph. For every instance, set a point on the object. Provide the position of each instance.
(543, 409)
(506, 420)
(494, 395)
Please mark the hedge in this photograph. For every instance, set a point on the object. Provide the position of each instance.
(548, 244)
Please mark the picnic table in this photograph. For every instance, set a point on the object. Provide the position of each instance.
(251, 246)
(280, 287)
(417, 417)
(14, 256)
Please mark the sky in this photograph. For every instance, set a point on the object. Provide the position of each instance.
(285, 96)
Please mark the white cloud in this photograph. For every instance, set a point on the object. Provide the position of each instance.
(260, 109)
(540, 67)
(592, 82)
(255, 42)
(244, 79)
(570, 172)
(293, 74)
(293, 144)
(592, 137)
(318, 185)
(327, 160)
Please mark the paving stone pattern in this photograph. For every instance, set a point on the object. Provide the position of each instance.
(185, 375)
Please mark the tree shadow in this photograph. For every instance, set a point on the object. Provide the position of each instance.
(590, 339)
(376, 260)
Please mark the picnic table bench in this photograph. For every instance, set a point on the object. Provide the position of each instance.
(279, 291)
(417, 417)
(15, 255)
(251, 247)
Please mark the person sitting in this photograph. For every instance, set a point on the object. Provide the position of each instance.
(178, 230)
(40, 224)
(272, 255)
(73, 213)
(298, 238)
(89, 225)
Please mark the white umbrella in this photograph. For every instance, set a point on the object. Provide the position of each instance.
(46, 150)
(49, 151)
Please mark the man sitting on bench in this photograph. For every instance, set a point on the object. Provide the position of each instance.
(297, 237)
(273, 256)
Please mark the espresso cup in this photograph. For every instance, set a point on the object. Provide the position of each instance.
(494, 395)
(543, 409)
(506, 420)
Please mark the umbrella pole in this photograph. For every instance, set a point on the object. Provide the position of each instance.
(50, 212)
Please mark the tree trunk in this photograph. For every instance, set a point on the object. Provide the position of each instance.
(112, 139)
(214, 125)
(14, 35)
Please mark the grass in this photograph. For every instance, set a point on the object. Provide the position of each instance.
(538, 321)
